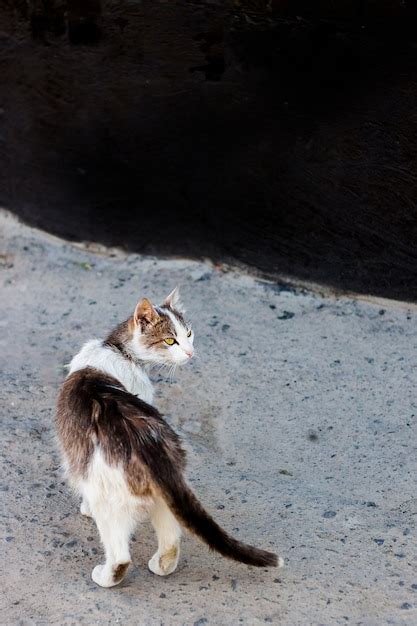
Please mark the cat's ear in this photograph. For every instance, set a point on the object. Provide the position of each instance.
(144, 312)
(173, 301)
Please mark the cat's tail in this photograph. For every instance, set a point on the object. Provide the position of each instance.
(192, 515)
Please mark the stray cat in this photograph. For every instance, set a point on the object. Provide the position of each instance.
(122, 457)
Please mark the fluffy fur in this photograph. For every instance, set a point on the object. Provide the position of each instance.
(122, 457)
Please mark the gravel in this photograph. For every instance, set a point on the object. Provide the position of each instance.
(301, 436)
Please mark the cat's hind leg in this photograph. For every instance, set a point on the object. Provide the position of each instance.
(115, 512)
(168, 532)
(115, 527)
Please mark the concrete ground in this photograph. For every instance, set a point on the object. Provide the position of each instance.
(300, 420)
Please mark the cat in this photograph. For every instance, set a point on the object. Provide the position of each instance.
(122, 457)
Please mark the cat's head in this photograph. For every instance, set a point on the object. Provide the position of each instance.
(161, 333)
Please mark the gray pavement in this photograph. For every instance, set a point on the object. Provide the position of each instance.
(299, 416)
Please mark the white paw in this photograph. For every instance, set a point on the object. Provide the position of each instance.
(85, 509)
(109, 576)
(155, 567)
(280, 561)
(102, 577)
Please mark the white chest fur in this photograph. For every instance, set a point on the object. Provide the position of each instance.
(105, 359)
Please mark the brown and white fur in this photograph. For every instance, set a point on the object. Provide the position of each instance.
(121, 456)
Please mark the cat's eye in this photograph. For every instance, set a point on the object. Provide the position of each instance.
(169, 341)
(189, 333)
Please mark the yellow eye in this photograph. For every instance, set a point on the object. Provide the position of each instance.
(189, 333)
(170, 341)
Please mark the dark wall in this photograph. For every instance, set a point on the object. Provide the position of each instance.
(265, 133)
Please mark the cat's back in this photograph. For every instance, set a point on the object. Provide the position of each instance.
(78, 408)
(94, 410)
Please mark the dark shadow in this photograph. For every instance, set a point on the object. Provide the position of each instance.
(288, 145)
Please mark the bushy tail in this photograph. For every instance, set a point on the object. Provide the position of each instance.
(191, 514)
(188, 510)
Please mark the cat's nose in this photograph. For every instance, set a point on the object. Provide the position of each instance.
(189, 353)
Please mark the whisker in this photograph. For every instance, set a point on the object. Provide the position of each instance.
(172, 372)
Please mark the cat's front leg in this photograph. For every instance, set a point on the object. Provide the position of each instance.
(85, 508)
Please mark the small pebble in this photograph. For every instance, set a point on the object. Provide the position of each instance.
(286, 315)
(203, 277)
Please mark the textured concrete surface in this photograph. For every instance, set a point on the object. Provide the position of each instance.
(299, 418)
